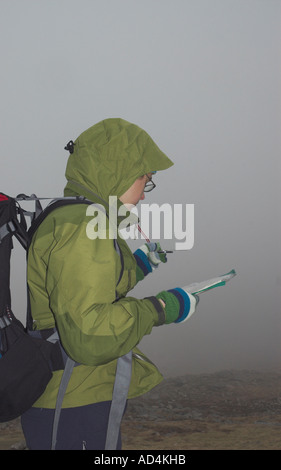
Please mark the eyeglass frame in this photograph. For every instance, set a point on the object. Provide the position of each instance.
(149, 185)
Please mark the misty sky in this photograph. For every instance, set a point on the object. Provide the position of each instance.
(202, 77)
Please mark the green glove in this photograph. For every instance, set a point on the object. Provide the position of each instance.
(179, 304)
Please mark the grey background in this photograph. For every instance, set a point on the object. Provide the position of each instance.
(202, 77)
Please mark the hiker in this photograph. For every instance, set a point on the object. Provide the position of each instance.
(80, 284)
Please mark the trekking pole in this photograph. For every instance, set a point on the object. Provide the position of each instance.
(148, 241)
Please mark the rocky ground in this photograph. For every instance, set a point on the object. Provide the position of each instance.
(228, 410)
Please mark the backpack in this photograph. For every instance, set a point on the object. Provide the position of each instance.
(28, 358)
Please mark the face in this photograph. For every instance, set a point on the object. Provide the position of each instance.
(136, 192)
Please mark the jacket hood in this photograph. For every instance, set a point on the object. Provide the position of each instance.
(108, 157)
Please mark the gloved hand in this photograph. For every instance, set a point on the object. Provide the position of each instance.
(148, 259)
(179, 304)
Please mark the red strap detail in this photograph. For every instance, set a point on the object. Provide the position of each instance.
(3, 197)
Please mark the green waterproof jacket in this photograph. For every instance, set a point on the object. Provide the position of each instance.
(74, 280)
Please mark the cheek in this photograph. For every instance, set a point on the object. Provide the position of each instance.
(141, 191)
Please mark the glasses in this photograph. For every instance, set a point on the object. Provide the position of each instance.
(150, 185)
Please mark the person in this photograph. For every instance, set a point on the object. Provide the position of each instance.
(80, 284)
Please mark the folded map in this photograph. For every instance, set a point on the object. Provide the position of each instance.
(200, 287)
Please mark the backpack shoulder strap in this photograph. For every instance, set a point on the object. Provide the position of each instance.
(119, 399)
(61, 392)
(55, 204)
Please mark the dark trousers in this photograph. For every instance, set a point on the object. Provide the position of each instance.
(79, 428)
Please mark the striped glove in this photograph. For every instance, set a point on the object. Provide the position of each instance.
(148, 259)
(179, 304)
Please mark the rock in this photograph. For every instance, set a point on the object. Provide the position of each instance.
(21, 445)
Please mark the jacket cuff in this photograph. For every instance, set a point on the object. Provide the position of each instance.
(160, 310)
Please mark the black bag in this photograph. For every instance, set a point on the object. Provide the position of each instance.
(27, 358)
(25, 368)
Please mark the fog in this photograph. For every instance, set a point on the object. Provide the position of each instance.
(202, 77)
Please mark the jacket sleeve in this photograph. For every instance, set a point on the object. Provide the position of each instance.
(81, 283)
